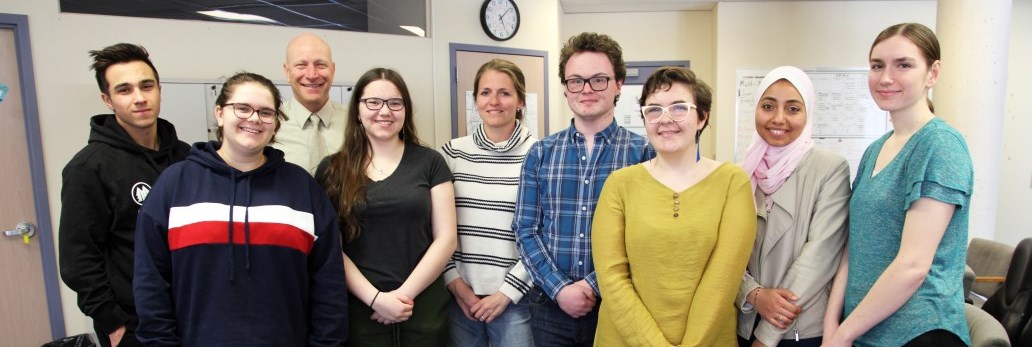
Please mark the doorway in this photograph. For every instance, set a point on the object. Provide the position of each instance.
(30, 303)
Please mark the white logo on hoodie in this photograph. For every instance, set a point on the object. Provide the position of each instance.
(139, 192)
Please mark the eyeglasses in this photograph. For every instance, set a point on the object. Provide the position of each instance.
(678, 112)
(576, 85)
(375, 104)
(244, 111)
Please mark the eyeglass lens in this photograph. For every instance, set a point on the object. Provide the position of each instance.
(244, 111)
(598, 84)
(678, 112)
(393, 104)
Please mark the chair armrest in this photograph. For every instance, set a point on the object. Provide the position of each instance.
(985, 330)
(991, 279)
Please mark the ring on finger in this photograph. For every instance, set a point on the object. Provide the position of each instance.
(781, 319)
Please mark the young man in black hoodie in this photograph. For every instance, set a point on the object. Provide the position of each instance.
(104, 186)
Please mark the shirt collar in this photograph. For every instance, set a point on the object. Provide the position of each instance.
(607, 134)
(301, 114)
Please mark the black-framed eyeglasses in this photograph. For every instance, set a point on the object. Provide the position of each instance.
(576, 84)
(244, 111)
(393, 104)
(678, 112)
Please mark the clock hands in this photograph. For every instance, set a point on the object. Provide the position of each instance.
(504, 13)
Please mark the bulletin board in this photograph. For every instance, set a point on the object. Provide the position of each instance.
(467, 59)
(846, 119)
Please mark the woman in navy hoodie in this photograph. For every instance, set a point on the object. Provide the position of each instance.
(235, 246)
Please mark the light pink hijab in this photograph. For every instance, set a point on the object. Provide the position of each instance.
(768, 166)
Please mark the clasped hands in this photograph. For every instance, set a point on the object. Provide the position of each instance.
(475, 308)
(776, 306)
(391, 307)
(577, 299)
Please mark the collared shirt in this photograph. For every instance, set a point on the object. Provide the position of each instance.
(294, 139)
(559, 187)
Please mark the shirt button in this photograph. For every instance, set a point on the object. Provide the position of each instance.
(585, 181)
(583, 157)
(583, 208)
(580, 263)
(581, 235)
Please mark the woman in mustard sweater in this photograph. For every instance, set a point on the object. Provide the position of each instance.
(671, 236)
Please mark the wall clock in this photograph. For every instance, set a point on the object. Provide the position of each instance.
(500, 19)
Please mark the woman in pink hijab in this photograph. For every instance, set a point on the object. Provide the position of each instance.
(801, 195)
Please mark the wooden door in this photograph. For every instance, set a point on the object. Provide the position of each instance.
(24, 317)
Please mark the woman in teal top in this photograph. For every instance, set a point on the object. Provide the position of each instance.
(899, 283)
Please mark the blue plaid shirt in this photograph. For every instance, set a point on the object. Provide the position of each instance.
(559, 187)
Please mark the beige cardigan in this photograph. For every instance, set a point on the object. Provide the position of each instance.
(798, 245)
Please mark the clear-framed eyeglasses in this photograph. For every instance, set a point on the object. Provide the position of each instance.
(393, 104)
(244, 111)
(678, 112)
(576, 84)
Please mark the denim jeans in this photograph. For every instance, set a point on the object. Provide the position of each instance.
(554, 328)
(509, 329)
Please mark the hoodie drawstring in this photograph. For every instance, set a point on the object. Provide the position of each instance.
(247, 227)
(232, 202)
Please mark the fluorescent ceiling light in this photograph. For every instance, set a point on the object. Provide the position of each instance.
(415, 30)
(220, 14)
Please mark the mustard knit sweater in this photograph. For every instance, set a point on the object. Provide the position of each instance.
(669, 263)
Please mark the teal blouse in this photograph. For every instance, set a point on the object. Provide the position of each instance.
(935, 164)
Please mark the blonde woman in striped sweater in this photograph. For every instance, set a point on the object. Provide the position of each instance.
(485, 274)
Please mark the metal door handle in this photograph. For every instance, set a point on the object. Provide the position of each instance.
(24, 230)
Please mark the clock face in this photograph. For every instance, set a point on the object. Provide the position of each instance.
(500, 19)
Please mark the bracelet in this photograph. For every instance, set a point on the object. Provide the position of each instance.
(374, 299)
(755, 293)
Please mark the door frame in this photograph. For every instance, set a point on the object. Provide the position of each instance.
(44, 229)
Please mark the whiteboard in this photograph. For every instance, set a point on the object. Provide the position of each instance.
(190, 105)
(846, 119)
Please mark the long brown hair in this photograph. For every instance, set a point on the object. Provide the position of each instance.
(345, 179)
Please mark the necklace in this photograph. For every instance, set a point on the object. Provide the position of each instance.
(373, 166)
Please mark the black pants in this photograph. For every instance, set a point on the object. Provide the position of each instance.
(936, 338)
(428, 325)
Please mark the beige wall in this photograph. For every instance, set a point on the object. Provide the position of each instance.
(686, 35)
(805, 34)
(1013, 220)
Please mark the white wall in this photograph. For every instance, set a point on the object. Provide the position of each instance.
(1014, 217)
(654, 36)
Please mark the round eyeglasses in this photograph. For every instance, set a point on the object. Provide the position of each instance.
(576, 85)
(244, 111)
(393, 104)
(678, 112)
